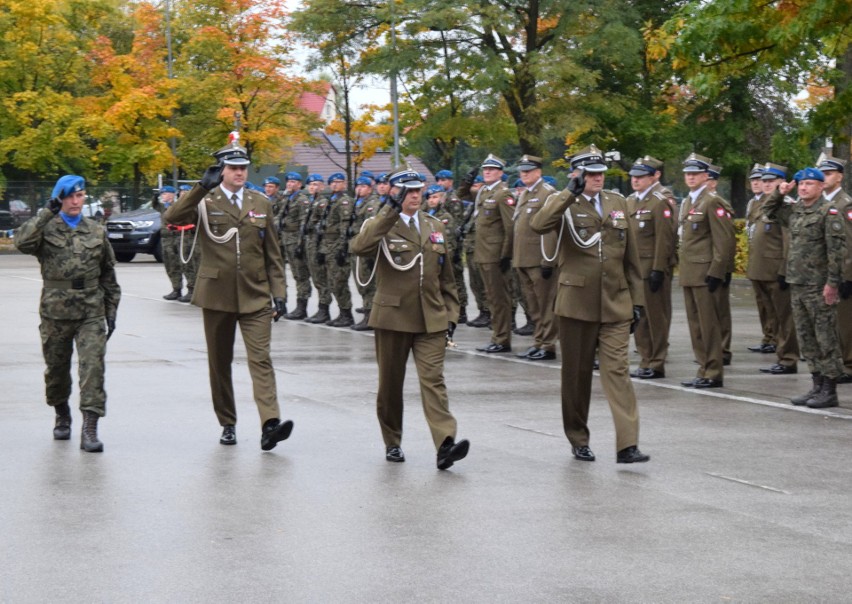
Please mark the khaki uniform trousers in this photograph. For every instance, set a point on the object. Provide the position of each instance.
(392, 350)
(578, 340)
(540, 294)
(723, 309)
(778, 307)
(765, 310)
(844, 332)
(652, 332)
(702, 316)
(220, 331)
(498, 292)
(477, 286)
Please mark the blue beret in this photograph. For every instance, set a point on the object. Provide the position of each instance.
(504, 177)
(368, 174)
(253, 187)
(518, 183)
(185, 188)
(443, 174)
(383, 177)
(434, 189)
(479, 179)
(68, 184)
(336, 176)
(293, 176)
(809, 174)
(168, 189)
(271, 180)
(364, 180)
(314, 178)
(549, 180)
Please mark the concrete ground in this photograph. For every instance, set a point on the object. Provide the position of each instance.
(745, 499)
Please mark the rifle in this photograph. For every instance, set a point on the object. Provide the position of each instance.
(284, 212)
(461, 233)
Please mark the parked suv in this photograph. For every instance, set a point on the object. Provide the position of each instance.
(21, 212)
(135, 232)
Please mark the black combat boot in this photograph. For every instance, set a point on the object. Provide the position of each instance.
(89, 436)
(526, 330)
(815, 390)
(344, 319)
(483, 320)
(462, 316)
(363, 325)
(187, 297)
(321, 315)
(300, 312)
(174, 295)
(827, 396)
(62, 427)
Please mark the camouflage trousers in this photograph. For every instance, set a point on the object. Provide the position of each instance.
(319, 272)
(366, 267)
(299, 268)
(816, 328)
(338, 277)
(57, 344)
(458, 274)
(175, 268)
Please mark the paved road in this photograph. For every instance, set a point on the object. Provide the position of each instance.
(745, 498)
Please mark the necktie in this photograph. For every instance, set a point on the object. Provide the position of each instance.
(598, 207)
(413, 226)
(235, 200)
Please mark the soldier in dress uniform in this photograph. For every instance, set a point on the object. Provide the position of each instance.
(707, 243)
(79, 302)
(764, 312)
(832, 168)
(309, 242)
(534, 260)
(599, 298)
(173, 239)
(415, 307)
(723, 294)
(767, 267)
(241, 282)
(496, 206)
(291, 212)
(814, 272)
(335, 248)
(652, 214)
(367, 204)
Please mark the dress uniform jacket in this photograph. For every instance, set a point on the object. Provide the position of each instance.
(526, 248)
(768, 240)
(843, 202)
(707, 241)
(404, 301)
(227, 282)
(653, 219)
(495, 208)
(601, 283)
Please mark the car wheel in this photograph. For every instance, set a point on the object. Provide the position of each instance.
(158, 251)
(125, 256)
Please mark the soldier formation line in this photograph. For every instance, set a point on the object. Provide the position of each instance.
(587, 266)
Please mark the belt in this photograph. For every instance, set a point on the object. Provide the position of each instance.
(71, 284)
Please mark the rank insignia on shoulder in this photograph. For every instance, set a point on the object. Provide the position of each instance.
(659, 195)
(436, 237)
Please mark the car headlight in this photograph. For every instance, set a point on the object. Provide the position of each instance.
(142, 224)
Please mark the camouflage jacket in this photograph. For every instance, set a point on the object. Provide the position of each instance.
(815, 255)
(77, 266)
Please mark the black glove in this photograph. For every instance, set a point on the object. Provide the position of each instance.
(212, 176)
(342, 258)
(727, 281)
(320, 258)
(782, 283)
(637, 315)
(395, 199)
(505, 264)
(299, 252)
(280, 308)
(713, 283)
(468, 178)
(845, 288)
(451, 329)
(577, 184)
(54, 204)
(655, 281)
(546, 272)
(110, 327)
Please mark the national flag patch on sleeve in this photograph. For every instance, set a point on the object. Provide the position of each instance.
(720, 212)
(510, 201)
(667, 213)
(849, 215)
(832, 211)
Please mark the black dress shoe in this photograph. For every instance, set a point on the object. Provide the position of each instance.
(450, 452)
(274, 431)
(495, 348)
(763, 348)
(229, 436)
(596, 365)
(631, 455)
(779, 369)
(583, 453)
(527, 352)
(395, 454)
(689, 383)
(646, 373)
(706, 383)
(846, 378)
(542, 355)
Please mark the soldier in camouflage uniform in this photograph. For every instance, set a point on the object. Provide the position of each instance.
(468, 191)
(367, 205)
(171, 240)
(309, 245)
(290, 215)
(335, 248)
(79, 301)
(455, 207)
(814, 272)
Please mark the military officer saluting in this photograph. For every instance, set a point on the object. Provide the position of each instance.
(534, 260)
(707, 242)
(415, 306)
(496, 206)
(240, 282)
(600, 296)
